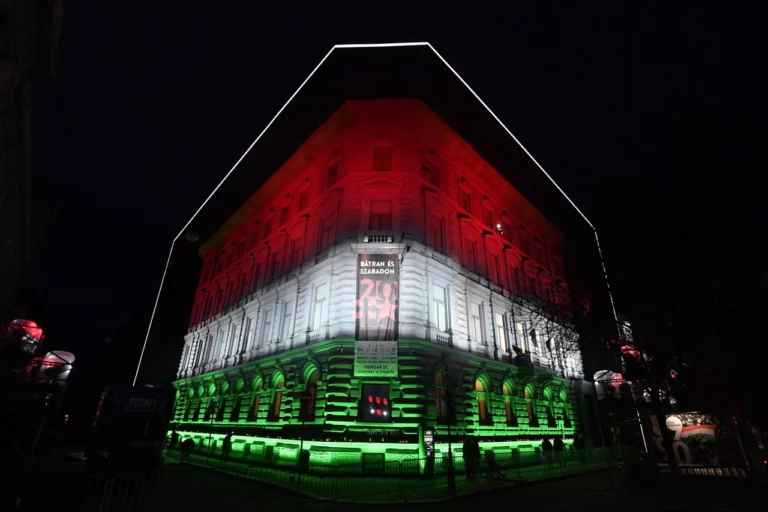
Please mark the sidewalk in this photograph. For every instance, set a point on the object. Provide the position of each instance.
(385, 488)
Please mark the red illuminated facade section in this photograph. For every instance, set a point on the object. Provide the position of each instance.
(391, 172)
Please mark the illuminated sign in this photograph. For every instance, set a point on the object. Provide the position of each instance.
(429, 442)
(375, 359)
(375, 405)
(378, 291)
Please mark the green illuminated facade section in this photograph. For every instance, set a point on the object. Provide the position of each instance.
(505, 406)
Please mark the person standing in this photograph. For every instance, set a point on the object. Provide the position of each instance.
(546, 449)
(466, 454)
(559, 449)
(226, 446)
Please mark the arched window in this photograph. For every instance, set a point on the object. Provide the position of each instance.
(278, 383)
(549, 398)
(533, 421)
(308, 404)
(441, 399)
(506, 390)
(482, 390)
(257, 386)
(566, 414)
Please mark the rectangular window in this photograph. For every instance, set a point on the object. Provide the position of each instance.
(297, 254)
(488, 217)
(382, 159)
(508, 232)
(303, 199)
(276, 265)
(522, 339)
(470, 255)
(434, 175)
(375, 404)
(268, 227)
(220, 348)
(285, 213)
(287, 320)
(436, 232)
(256, 277)
(266, 332)
(326, 235)
(466, 200)
(247, 335)
(476, 322)
(320, 306)
(381, 216)
(496, 269)
(440, 308)
(524, 242)
(333, 175)
(501, 332)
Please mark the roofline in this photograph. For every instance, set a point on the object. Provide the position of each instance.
(261, 134)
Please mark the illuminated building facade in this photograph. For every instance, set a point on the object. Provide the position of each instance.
(381, 282)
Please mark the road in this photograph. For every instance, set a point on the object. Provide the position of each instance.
(200, 490)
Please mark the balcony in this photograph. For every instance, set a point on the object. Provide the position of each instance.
(444, 340)
(523, 359)
(378, 237)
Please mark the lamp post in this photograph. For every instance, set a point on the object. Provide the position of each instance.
(449, 399)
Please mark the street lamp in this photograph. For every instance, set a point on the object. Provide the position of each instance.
(447, 382)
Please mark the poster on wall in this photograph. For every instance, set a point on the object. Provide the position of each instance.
(375, 359)
(378, 290)
(699, 439)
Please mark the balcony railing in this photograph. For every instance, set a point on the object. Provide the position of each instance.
(378, 237)
(443, 340)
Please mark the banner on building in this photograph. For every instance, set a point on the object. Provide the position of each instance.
(378, 290)
(375, 359)
(699, 439)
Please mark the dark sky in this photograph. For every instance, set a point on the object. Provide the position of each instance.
(648, 119)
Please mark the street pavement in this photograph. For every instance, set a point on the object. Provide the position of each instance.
(195, 489)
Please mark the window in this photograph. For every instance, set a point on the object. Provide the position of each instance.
(268, 228)
(319, 307)
(435, 232)
(241, 249)
(247, 334)
(382, 159)
(550, 406)
(443, 407)
(523, 241)
(198, 406)
(277, 264)
(234, 414)
(296, 255)
(256, 277)
(501, 332)
(219, 353)
(332, 174)
(476, 322)
(507, 228)
(482, 404)
(381, 216)
(375, 404)
(470, 255)
(566, 415)
(466, 200)
(231, 344)
(287, 320)
(221, 407)
(285, 213)
(507, 392)
(434, 175)
(277, 399)
(533, 421)
(488, 217)
(308, 407)
(253, 412)
(209, 410)
(325, 239)
(439, 308)
(495, 270)
(521, 336)
(267, 327)
(303, 199)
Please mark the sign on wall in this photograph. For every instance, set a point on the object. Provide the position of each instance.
(375, 359)
(378, 290)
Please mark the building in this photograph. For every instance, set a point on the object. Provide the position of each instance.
(29, 42)
(385, 280)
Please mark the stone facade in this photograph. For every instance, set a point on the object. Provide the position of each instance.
(274, 314)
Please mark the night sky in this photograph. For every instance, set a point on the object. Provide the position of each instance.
(648, 119)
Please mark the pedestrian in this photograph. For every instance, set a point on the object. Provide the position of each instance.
(478, 455)
(546, 449)
(187, 447)
(226, 446)
(467, 454)
(559, 449)
(174, 439)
